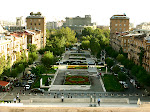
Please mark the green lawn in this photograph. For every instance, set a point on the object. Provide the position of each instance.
(36, 84)
(112, 84)
(44, 77)
(37, 81)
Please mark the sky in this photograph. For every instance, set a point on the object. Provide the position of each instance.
(54, 10)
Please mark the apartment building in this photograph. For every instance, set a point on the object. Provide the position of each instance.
(132, 43)
(118, 24)
(37, 22)
(20, 21)
(79, 23)
(34, 37)
(144, 26)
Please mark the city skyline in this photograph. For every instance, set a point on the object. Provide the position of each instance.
(58, 10)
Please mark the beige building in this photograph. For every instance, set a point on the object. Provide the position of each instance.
(144, 26)
(119, 23)
(37, 22)
(34, 37)
(12, 45)
(19, 21)
(78, 23)
(132, 43)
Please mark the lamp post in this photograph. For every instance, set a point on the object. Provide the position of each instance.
(106, 67)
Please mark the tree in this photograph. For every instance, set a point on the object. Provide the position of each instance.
(33, 55)
(48, 59)
(122, 76)
(109, 62)
(32, 47)
(116, 69)
(94, 46)
(2, 64)
(40, 69)
(87, 31)
(120, 57)
(85, 44)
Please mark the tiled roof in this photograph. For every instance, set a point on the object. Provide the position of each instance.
(3, 83)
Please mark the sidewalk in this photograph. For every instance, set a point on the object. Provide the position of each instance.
(77, 105)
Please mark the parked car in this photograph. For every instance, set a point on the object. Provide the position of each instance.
(30, 81)
(125, 86)
(75, 63)
(17, 84)
(91, 63)
(27, 87)
(37, 90)
(100, 63)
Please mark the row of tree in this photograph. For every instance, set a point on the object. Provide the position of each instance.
(136, 70)
(20, 64)
(94, 39)
(56, 42)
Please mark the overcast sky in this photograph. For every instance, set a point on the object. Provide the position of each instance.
(100, 10)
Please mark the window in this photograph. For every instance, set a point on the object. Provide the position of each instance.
(120, 24)
(124, 40)
(115, 28)
(31, 23)
(35, 24)
(39, 24)
(124, 24)
(115, 24)
(120, 29)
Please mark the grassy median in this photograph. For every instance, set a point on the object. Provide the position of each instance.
(112, 84)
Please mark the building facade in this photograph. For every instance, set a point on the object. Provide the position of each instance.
(78, 23)
(20, 21)
(37, 22)
(144, 26)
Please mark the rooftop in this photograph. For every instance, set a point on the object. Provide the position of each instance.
(3, 83)
(119, 17)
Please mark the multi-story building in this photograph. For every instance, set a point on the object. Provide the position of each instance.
(19, 21)
(51, 25)
(78, 23)
(144, 26)
(37, 21)
(12, 45)
(15, 28)
(7, 23)
(34, 37)
(103, 27)
(118, 24)
(133, 43)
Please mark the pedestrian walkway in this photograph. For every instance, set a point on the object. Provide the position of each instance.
(77, 105)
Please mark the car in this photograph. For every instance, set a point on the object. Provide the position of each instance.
(27, 87)
(17, 84)
(100, 63)
(122, 82)
(132, 81)
(115, 74)
(91, 63)
(37, 90)
(75, 63)
(30, 81)
(125, 86)
(59, 62)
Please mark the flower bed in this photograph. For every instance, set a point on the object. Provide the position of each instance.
(77, 80)
(77, 67)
